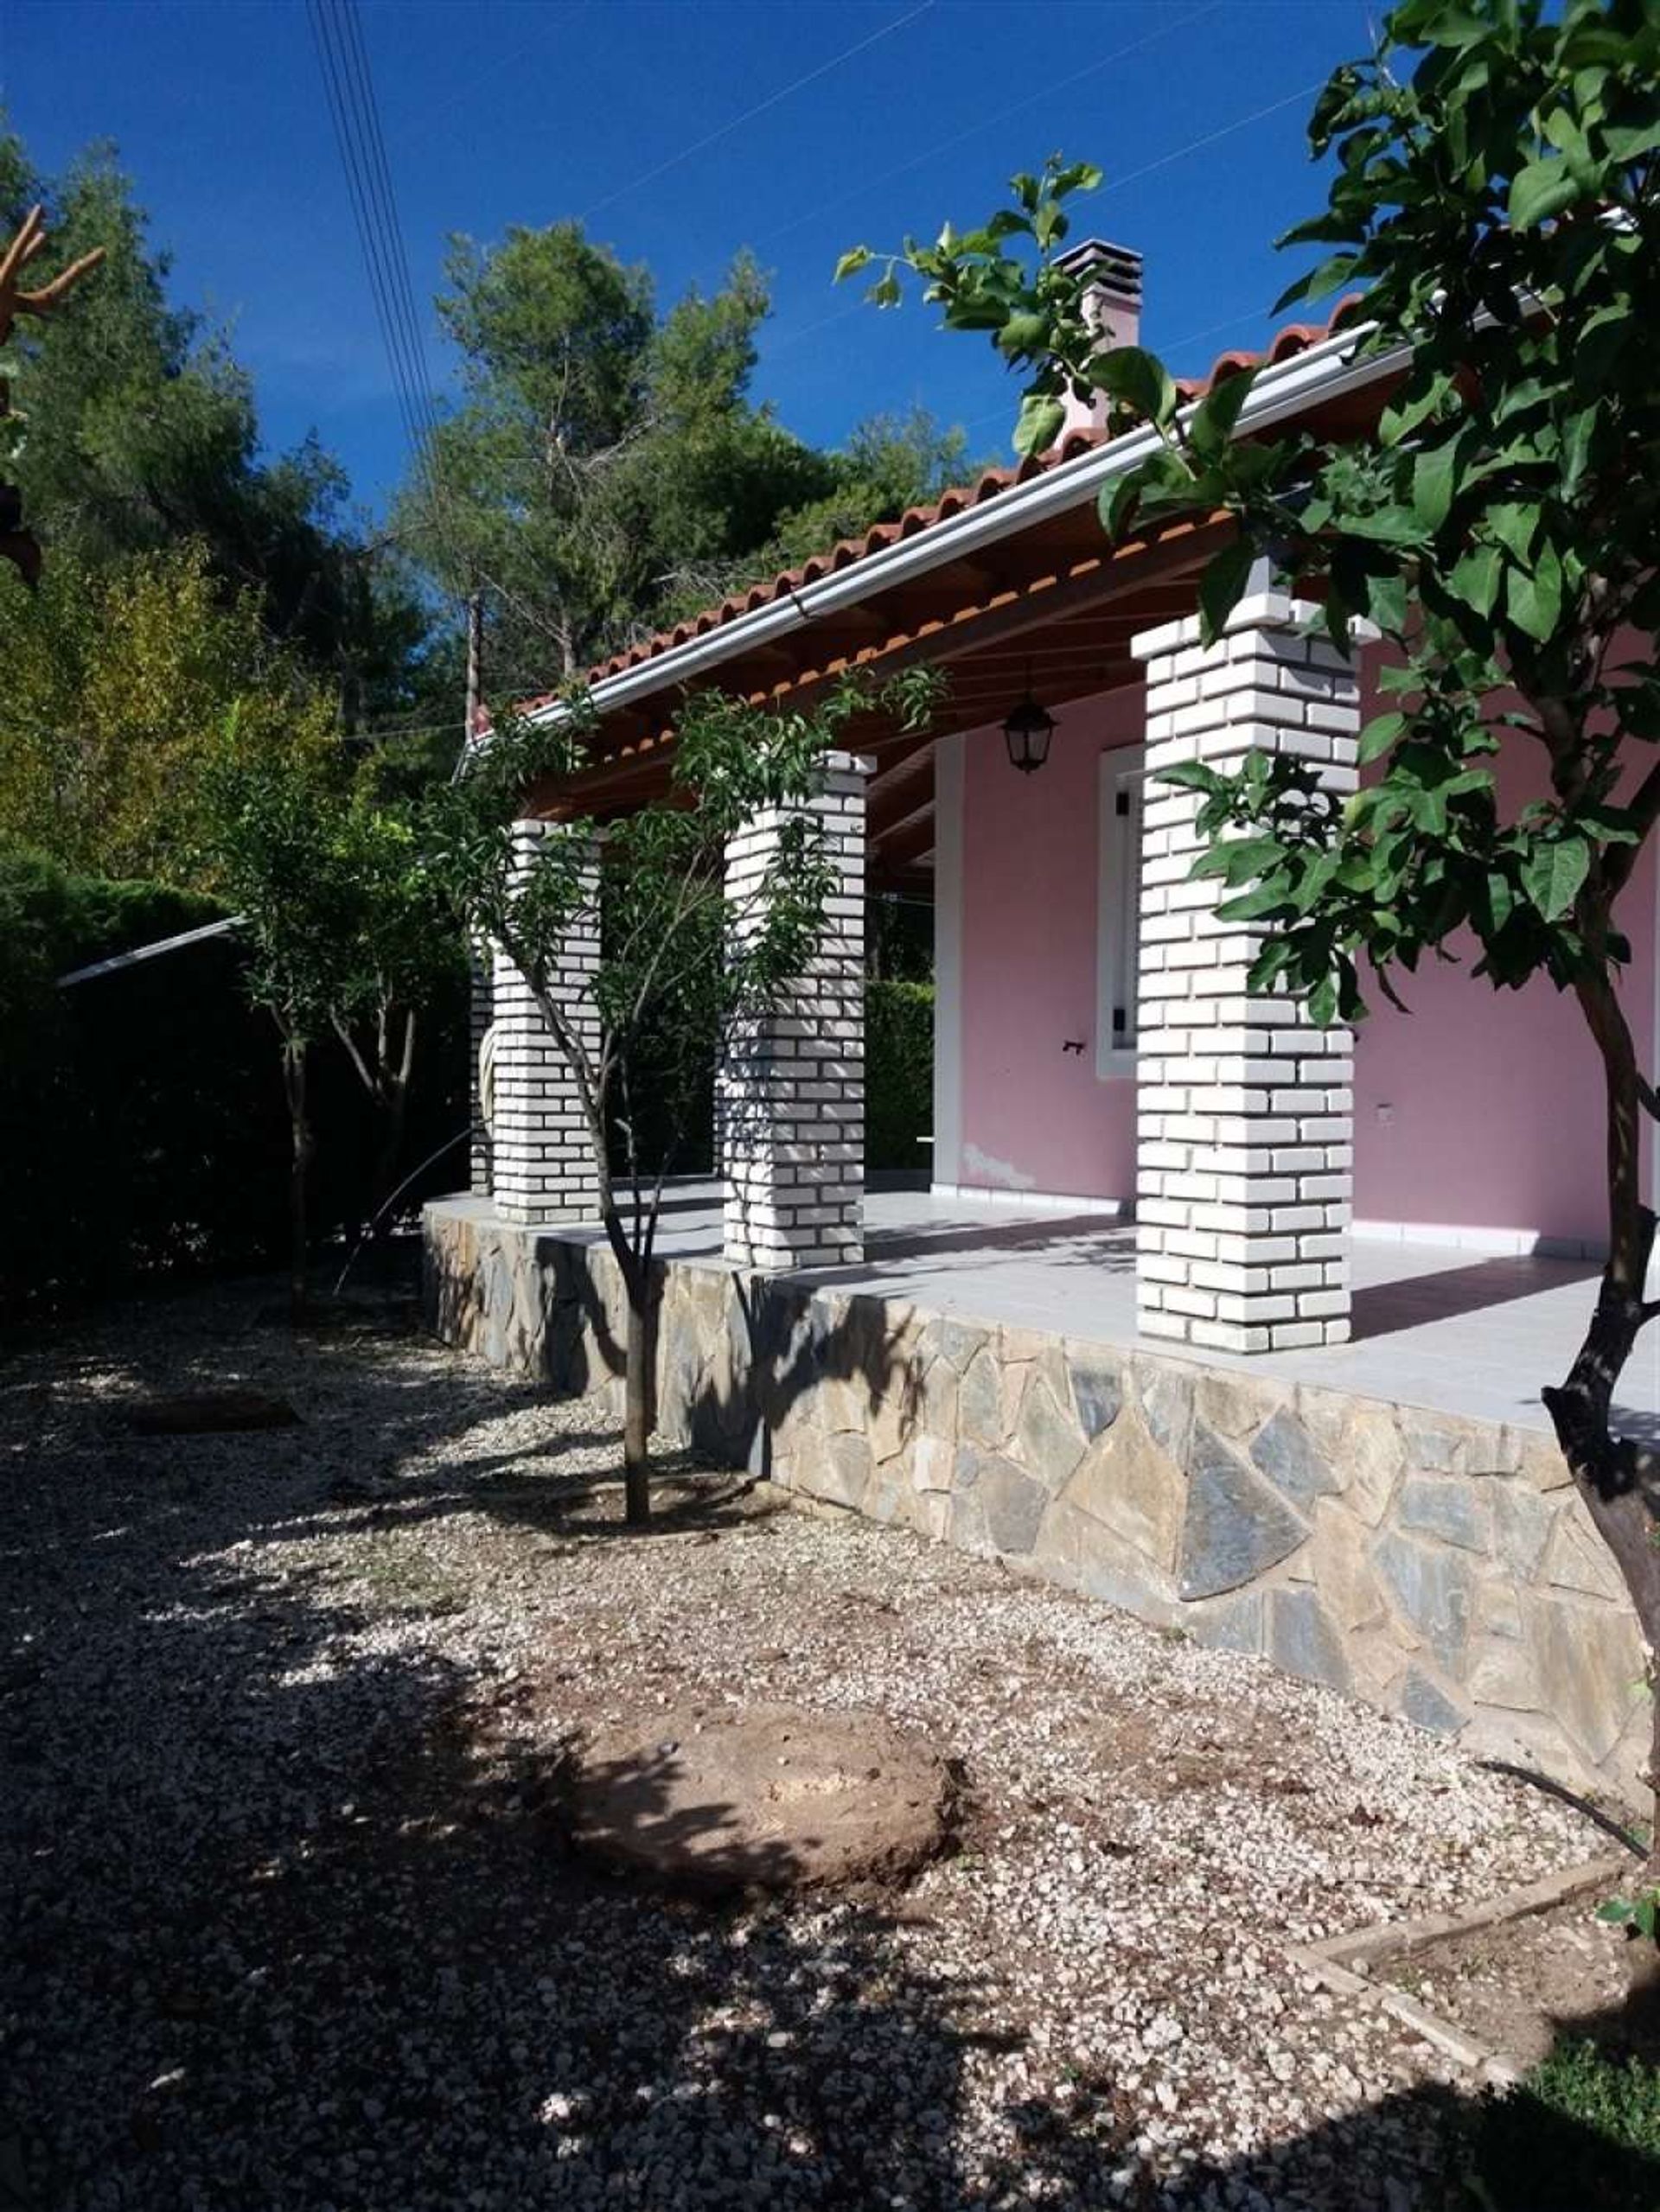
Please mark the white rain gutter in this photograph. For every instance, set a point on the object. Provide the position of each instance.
(1325, 371)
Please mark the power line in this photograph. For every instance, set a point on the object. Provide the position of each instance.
(384, 201)
(414, 340)
(1215, 330)
(992, 121)
(1257, 115)
(772, 101)
(343, 61)
(328, 32)
(502, 61)
(1115, 184)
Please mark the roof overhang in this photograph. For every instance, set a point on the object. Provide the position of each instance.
(1024, 577)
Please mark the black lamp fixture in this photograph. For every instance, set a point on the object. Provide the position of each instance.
(1026, 731)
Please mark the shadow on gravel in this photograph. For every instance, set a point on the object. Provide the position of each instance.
(288, 1919)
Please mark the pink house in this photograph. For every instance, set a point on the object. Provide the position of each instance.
(1093, 1041)
(1113, 1346)
(1476, 1117)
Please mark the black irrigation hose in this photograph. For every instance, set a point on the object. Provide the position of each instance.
(380, 1211)
(1603, 1820)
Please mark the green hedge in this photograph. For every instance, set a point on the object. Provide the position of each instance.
(898, 1074)
(141, 1112)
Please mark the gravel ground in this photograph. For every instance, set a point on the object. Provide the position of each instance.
(290, 1922)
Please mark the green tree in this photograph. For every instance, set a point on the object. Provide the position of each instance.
(346, 938)
(295, 916)
(679, 963)
(607, 471)
(889, 463)
(598, 452)
(398, 947)
(140, 431)
(1494, 191)
(115, 682)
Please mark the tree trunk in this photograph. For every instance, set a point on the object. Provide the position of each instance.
(303, 1148)
(394, 1104)
(1616, 1479)
(636, 1409)
(634, 1263)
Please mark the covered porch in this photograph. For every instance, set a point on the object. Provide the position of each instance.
(1208, 1310)
(1431, 1185)
(1388, 1516)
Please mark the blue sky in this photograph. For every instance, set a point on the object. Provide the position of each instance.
(683, 131)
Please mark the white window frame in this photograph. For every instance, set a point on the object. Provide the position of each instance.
(1118, 907)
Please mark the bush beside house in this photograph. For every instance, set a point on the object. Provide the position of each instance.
(899, 1072)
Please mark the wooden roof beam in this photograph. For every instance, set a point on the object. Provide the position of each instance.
(905, 845)
(888, 810)
(902, 764)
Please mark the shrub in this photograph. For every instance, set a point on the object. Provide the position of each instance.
(898, 1073)
(1582, 2129)
(141, 1116)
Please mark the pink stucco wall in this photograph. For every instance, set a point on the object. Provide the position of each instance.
(1477, 1109)
(1482, 1109)
(1034, 1116)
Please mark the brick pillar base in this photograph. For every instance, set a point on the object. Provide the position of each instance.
(1244, 1131)
(790, 1093)
(543, 1159)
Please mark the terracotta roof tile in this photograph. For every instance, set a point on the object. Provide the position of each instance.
(1295, 338)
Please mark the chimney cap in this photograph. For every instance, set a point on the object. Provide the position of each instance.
(1115, 268)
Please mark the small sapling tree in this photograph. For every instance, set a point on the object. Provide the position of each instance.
(1495, 195)
(397, 951)
(680, 964)
(264, 812)
(345, 935)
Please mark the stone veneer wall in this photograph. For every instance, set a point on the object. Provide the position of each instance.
(1440, 1568)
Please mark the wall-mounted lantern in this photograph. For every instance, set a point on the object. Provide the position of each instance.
(1026, 731)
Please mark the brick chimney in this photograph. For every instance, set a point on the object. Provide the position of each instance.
(1113, 302)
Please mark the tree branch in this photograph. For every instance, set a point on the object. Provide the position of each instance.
(343, 1030)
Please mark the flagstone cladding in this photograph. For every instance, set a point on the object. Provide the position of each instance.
(1440, 1568)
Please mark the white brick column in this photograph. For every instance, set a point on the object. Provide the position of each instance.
(480, 1011)
(1244, 1129)
(790, 1092)
(542, 1158)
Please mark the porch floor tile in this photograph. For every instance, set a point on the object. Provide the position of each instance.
(1443, 1328)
